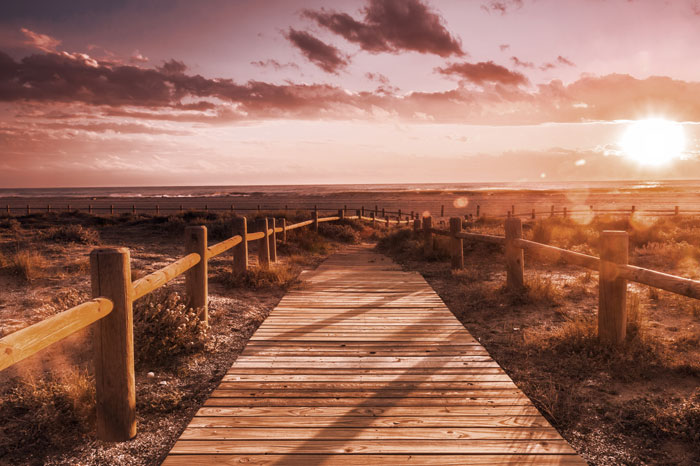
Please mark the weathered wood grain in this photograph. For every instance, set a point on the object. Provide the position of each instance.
(366, 365)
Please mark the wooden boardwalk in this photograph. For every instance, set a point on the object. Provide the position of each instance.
(366, 365)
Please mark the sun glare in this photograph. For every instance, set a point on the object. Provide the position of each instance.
(654, 141)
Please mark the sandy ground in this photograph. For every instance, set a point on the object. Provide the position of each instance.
(165, 402)
(639, 405)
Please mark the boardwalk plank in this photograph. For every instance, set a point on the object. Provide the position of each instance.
(366, 365)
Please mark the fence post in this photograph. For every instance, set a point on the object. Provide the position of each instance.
(533, 214)
(551, 213)
(427, 234)
(416, 226)
(263, 244)
(386, 218)
(89, 209)
(111, 209)
(157, 209)
(442, 210)
(383, 212)
(284, 229)
(341, 214)
(612, 297)
(113, 346)
(315, 219)
(677, 210)
(28, 209)
(358, 213)
(457, 243)
(273, 240)
(399, 215)
(363, 211)
(376, 210)
(515, 262)
(7, 207)
(180, 207)
(633, 209)
(512, 209)
(374, 219)
(240, 251)
(196, 283)
(478, 211)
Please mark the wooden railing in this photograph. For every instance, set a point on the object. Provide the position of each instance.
(111, 311)
(612, 265)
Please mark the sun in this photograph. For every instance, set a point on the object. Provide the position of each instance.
(654, 141)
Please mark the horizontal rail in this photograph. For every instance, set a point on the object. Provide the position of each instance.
(440, 232)
(663, 281)
(24, 343)
(255, 236)
(328, 219)
(220, 248)
(482, 237)
(150, 282)
(553, 253)
(299, 225)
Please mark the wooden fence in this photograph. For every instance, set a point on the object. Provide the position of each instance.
(612, 265)
(111, 310)
(157, 209)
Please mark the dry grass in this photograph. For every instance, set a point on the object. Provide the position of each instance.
(26, 264)
(282, 276)
(38, 414)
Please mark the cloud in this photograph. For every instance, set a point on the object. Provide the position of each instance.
(42, 42)
(504, 47)
(172, 66)
(325, 56)
(378, 77)
(565, 61)
(137, 57)
(501, 6)
(560, 61)
(274, 64)
(392, 26)
(169, 93)
(523, 64)
(484, 72)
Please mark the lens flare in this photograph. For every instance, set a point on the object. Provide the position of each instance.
(461, 202)
(653, 142)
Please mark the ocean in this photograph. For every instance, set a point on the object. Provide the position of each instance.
(450, 198)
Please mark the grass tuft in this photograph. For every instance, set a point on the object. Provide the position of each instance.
(26, 264)
(283, 276)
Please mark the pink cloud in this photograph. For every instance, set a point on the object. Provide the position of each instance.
(168, 92)
(326, 57)
(484, 72)
(43, 42)
(392, 26)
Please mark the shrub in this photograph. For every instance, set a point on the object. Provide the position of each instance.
(39, 413)
(72, 234)
(309, 241)
(165, 328)
(342, 233)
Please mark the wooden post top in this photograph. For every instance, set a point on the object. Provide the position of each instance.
(110, 250)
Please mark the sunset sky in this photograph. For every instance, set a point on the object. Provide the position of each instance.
(172, 92)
